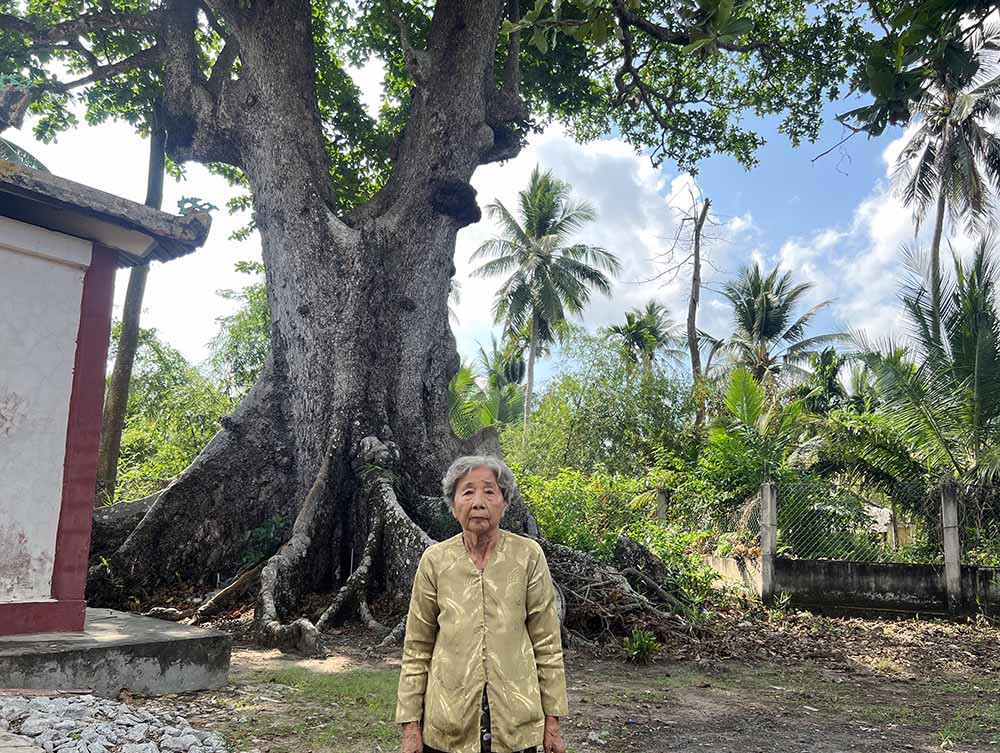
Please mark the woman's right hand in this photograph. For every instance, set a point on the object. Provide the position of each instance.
(413, 741)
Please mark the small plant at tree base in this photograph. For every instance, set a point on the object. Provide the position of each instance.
(641, 647)
(780, 605)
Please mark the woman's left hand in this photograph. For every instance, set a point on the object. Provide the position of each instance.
(552, 742)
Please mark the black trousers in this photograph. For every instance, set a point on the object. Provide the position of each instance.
(485, 738)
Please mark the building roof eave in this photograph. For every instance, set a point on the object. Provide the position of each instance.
(136, 232)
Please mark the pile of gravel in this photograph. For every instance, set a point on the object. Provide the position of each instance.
(85, 724)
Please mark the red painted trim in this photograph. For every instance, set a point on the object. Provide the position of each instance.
(83, 433)
(20, 617)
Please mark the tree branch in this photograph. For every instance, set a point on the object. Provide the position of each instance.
(192, 104)
(140, 60)
(663, 34)
(85, 24)
(222, 70)
(414, 59)
(512, 65)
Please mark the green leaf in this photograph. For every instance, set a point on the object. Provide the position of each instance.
(723, 12)
(744, 398)
(737, 27)
(539, 41)
(696, 45)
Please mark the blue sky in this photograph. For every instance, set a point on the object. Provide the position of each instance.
(832, 222)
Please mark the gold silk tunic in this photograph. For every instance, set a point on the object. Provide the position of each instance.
(467, 629)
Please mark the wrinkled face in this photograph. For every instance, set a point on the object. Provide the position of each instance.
(479, 503)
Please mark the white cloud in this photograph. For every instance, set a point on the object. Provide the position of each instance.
(635, 222)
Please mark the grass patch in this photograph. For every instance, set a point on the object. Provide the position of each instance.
(885, 713)
(970, 686)
(971, 722)
(887, 666)
(361, 704)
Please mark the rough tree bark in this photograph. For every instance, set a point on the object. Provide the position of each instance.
(116, 401)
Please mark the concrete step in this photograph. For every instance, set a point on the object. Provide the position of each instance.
(117, 651)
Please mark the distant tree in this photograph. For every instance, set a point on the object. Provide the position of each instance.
(240, 348)
(769, 336)
(117, 393)
(822, 388)
(645, 333)
(763, 429)
(497, 402)
(547, 277)
(939, 394)
(173, 411)
(599, 411)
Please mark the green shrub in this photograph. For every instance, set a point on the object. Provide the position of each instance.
(641, 647)
(590, 511)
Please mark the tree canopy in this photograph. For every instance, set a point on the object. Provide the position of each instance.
(675, 78)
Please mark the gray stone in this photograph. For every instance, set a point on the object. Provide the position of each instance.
(181, 743)
(146, 747)
(35, 725)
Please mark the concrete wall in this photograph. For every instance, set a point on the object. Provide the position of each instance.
(981, 589)
(865, 585)
(869, 585)
(41, 283)
(739, 572)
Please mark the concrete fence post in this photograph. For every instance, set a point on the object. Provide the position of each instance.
(768, 539)
(952, 547)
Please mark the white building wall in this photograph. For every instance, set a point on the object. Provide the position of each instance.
(41, 284)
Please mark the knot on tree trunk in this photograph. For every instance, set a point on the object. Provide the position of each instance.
(14, 103)
(507, 144)
(372, 451)
(455, 199)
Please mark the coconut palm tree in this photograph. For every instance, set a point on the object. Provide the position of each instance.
(645, 333)
(494, 398)
(762, 426)
(940, 392)
(769, 337)
(822, 388)
(953, 161)
(548, 278)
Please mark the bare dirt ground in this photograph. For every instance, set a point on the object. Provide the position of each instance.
(785, 683)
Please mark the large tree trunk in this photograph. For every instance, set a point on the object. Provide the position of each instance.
(116, 401)
(692, 319)
(337, 452)
(355, 390)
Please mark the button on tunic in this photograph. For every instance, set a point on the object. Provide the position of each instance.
(467, 629)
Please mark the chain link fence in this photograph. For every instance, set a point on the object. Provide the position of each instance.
(729, 530)
(819, 519)
(979, 524)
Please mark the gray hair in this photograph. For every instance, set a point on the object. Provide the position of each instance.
(462, 465)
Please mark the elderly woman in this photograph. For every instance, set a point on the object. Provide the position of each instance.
(482, 659)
